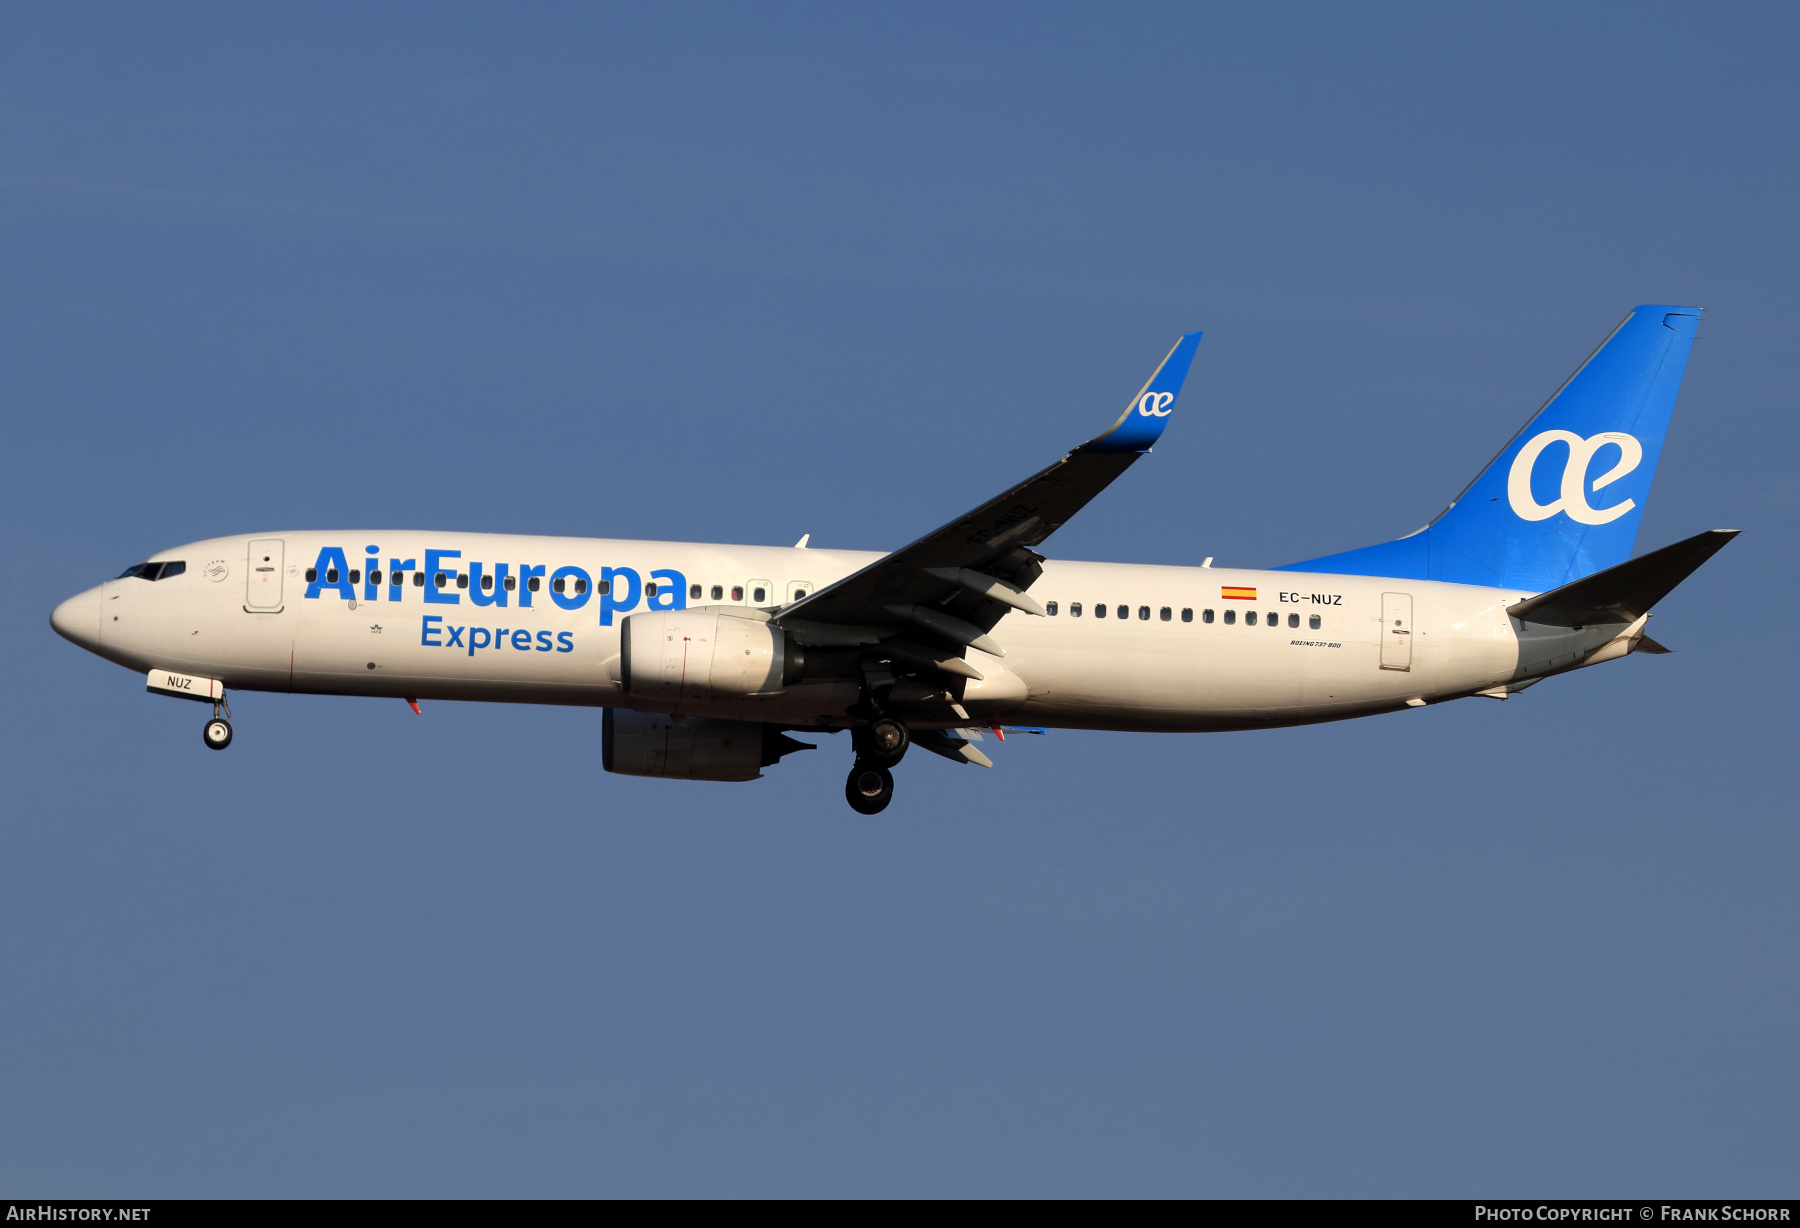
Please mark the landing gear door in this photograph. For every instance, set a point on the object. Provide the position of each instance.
(1396, 631)
(264, 568)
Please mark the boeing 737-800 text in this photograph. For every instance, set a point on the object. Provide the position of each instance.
(705, 657)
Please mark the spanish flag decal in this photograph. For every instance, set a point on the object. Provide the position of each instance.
(1230, 593)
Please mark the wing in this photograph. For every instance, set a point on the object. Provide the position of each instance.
(955, 584)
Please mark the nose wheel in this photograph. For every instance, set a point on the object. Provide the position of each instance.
(217, 733)
(870, 787)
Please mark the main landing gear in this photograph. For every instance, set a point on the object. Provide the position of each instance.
(870, 787)
(879, 745)
(882, 741)
(217, 732)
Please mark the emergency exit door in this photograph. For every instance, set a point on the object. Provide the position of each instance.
(262, 588)
(1396, 631)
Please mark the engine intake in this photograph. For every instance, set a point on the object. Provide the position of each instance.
(689, 748)
(679, 658)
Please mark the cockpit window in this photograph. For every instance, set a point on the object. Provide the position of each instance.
(153, 571)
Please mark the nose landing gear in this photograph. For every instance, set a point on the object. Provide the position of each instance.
(217, 733)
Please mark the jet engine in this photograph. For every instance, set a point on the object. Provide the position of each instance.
(689, 748)
(677, 658)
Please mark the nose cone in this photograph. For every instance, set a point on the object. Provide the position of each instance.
(78, 619)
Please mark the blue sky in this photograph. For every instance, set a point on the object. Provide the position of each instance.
(722, 273)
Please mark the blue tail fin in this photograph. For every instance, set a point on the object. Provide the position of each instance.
(1564, 497)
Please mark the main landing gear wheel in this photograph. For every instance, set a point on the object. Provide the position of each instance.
(883, 741)
(217, 733)
(870, 788)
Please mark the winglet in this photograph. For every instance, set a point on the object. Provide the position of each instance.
(1144, 419)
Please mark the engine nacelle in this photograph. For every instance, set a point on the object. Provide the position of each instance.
(689, 748)
(674, 659)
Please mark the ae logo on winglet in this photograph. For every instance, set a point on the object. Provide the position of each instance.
(1572, 500)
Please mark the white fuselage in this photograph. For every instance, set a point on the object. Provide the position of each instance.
(1321, 647)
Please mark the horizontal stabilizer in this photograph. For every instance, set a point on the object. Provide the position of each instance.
(1624, 593)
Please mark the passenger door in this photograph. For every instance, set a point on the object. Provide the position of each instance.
(262, 585)
(1396, 631)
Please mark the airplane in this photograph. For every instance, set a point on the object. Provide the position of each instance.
(705, 658)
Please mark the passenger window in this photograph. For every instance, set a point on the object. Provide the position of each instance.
(331, 575)
(603, 588)
(759, 595)
(171, 569)
(1249, 618)
(1124, 611)
(511, 583)
(556, 585)
(487, 583)
(418, 579)
(1293, 620)
(1050, 608)
(718, 592)
(1100, 610)
(649, 589)
(312, 574)
(580, 586)
(462, 579)
(374, 577)
(1230, 617)
(1144, 614)
(1313, 622)
(1074, 609)
(737, 592)
(1187, 615)
(1206, 616)
(1274, 619)
(799, 594)
(693, 592)
(534, 583)
(1166, 614)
